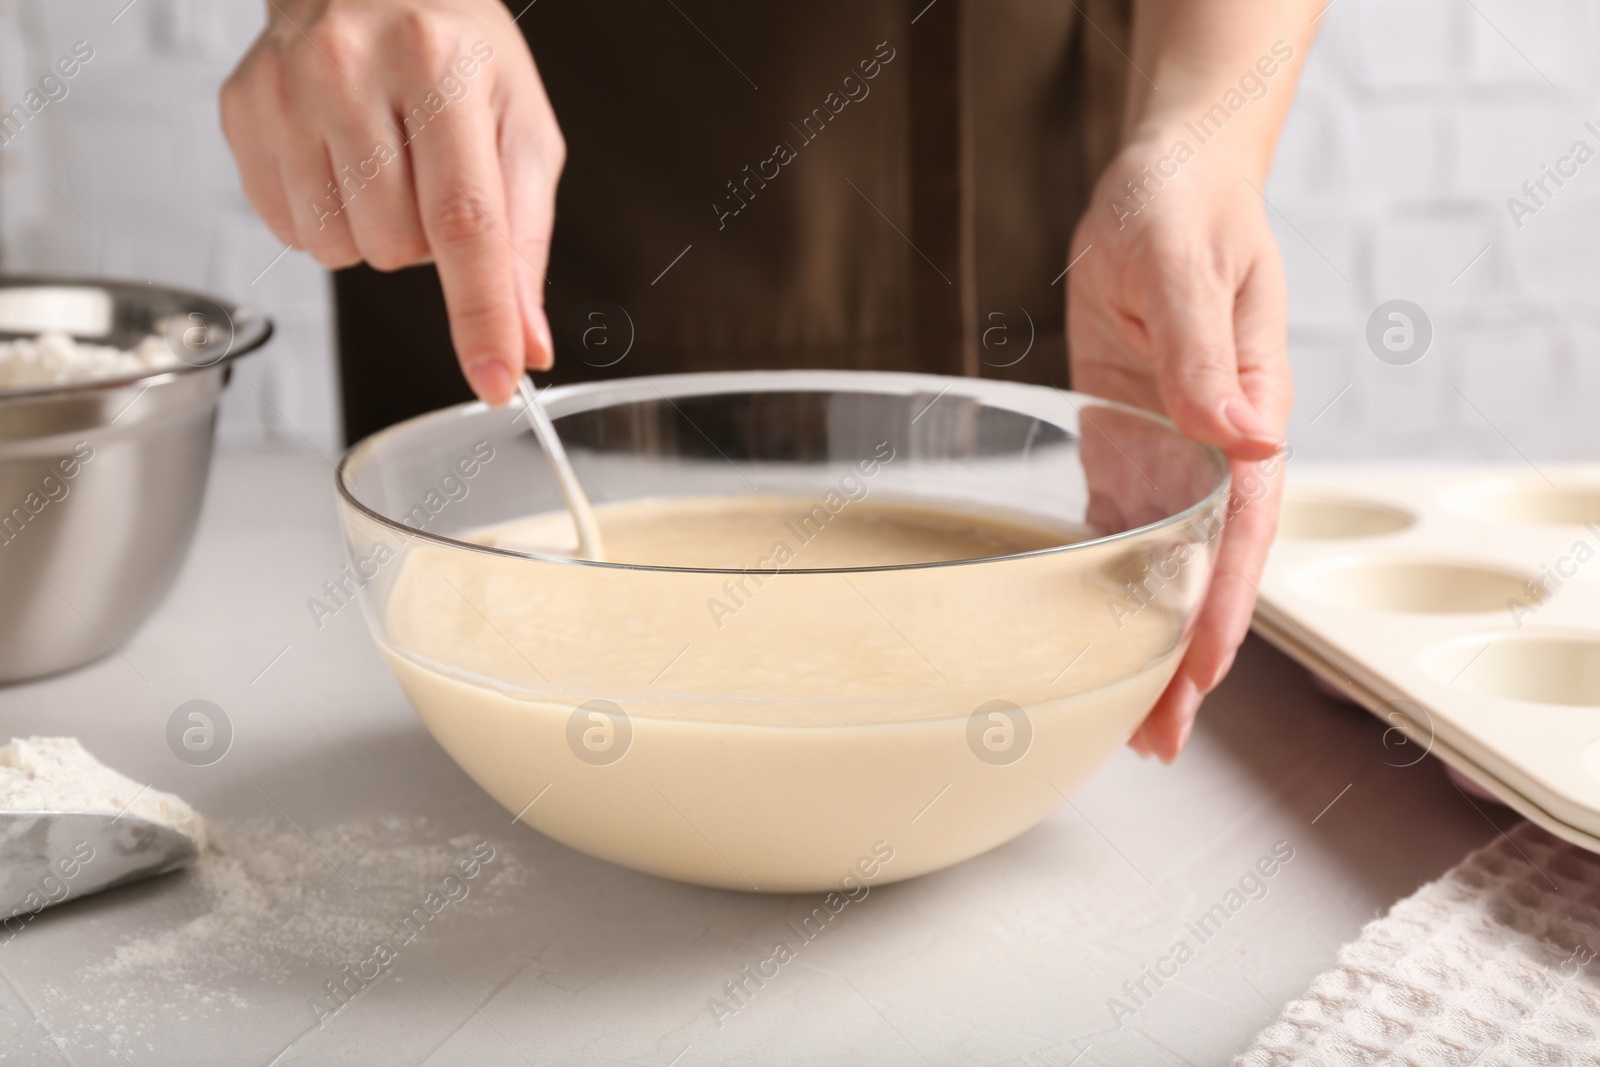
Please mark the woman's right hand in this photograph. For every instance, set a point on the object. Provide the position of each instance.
(403, 131)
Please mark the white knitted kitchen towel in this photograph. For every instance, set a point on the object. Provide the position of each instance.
(1495, 963)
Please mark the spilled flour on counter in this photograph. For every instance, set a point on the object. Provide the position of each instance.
(59, 774)
(266, 911)
(267, 902)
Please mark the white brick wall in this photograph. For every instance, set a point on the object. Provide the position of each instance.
(136, 148)
(1417, 119)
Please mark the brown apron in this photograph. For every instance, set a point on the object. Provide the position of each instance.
(888, 184)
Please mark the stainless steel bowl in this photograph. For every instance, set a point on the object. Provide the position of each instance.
(101, 482)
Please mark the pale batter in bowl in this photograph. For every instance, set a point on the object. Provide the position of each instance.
(803, 717)
(851, 627)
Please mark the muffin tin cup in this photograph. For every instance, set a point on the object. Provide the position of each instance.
(1461, 606)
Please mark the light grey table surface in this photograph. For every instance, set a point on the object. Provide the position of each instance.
(1011, 957)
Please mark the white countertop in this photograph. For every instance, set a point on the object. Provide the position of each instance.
(1009, 958)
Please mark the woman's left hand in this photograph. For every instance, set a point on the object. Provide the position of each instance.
(1177, 305)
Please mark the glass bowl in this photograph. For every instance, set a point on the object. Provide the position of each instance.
(775, 727)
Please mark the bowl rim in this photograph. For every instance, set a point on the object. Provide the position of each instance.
(789, 381)
(256, 331)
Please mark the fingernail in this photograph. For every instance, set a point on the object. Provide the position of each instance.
(491, 380)
(547, 345)
(1188, 708)
(1219, 674)
(1183, 736)
(1248, 423)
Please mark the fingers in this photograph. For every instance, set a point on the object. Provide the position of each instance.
(1258, 396)
(271, 119)
(1187, 316)
(1193, 343)
(258, 164)
(377, 190)
(532, 154)
(315, 209)
(464, 175)
(1260, 327)
(462, 202)
(1166, 729)
(312, 97)
(1230, 601)
(1222, 367)
(273, 115)
(1224, 618)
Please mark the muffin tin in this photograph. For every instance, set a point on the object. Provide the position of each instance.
(1462, 606)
